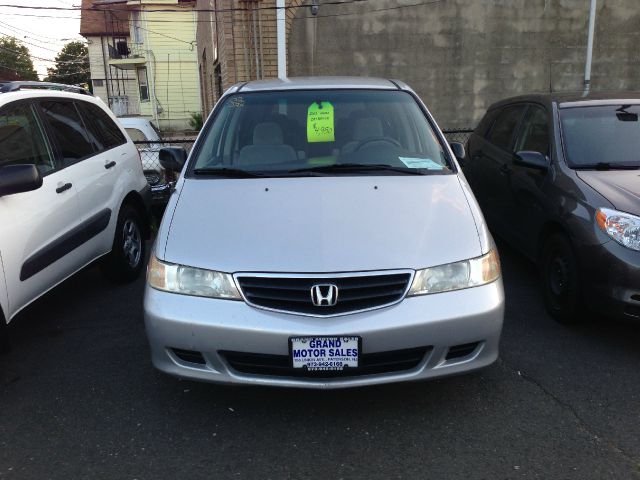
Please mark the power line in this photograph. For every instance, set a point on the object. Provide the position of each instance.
(18, 29)
(169, 10)
(44, 59)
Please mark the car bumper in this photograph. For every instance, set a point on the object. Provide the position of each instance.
(160, 193)
(433, 322)
(613, 274)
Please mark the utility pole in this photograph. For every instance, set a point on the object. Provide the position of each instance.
(587, 67)
(282, 42)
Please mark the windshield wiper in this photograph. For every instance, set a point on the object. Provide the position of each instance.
(356, 167)
(608, 166)
(227, 172)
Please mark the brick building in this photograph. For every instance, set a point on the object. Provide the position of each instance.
(236, 43)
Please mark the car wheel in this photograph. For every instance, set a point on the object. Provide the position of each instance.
(560, 280)
(127, 256)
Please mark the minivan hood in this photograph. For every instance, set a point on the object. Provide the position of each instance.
(321, 224)
(620, 187)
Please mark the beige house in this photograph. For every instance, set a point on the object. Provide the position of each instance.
(158, 51)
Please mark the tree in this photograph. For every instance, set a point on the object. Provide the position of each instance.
(15, 61)
(72, 65)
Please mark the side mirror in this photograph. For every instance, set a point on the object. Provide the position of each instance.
(458, 150)
(531, 159)
(19, 178)
(173, 158)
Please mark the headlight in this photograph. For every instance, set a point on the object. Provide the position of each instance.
(456, 276)
(191, 281)
(624, 228)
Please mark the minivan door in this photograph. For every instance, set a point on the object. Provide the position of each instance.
(40, 228)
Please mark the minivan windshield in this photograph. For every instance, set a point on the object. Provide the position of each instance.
(319, 132)
(602, 137)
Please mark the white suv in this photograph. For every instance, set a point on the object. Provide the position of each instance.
(71, 190)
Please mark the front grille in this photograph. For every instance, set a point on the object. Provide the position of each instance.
(370, 364)
(355, 293)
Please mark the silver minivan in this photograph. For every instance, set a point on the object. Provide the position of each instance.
(322, 235)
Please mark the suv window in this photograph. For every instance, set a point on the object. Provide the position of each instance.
(534, 136)
(22, 139)
(105, 132)
(69, 131)
(507, 121)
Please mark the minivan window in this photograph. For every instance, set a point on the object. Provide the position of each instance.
(594, 136)
(22, 139)
(502, 131)
(68, 129)
(106, 133)
(287, 132)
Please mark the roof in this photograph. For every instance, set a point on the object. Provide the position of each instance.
(312, 83)
(6, 87)
(103, 21)
(574, 99)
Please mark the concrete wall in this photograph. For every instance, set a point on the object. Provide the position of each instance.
(462, 55)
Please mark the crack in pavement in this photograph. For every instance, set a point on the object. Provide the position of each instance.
(582, 423)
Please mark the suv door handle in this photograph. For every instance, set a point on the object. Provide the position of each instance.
(109, 165)
(63, 188)
(505, 169)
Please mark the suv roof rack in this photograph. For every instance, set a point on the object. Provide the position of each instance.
(6, 87)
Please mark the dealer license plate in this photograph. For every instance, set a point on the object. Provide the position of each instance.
(324, 353)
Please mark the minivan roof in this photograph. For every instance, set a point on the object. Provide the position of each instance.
(573, 99)
(319, 83)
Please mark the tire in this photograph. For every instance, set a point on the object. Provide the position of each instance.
(127, 257)
(561, 281)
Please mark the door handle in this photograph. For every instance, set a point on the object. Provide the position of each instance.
(109, 165)
(505, 169)
(477, 156)
(63, 188)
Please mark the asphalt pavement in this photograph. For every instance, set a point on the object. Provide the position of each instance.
(79, 399)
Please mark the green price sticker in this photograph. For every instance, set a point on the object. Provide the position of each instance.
(320, 123)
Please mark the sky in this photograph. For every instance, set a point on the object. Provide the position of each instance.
(44, 37)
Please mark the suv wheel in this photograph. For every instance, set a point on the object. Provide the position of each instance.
(127, 256)
(560, 281)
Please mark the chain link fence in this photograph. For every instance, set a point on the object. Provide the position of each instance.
(150, 157)
(458, 135)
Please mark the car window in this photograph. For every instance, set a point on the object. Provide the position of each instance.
(136, 134)
(69, 131)
(601, 134)
(534, 136)
(22, 138)
(289, 130)
(503, 129)
(105, 132)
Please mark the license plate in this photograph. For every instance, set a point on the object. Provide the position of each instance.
(324, 353)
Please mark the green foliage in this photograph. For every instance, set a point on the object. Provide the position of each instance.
(72, 65)
(196, 121)
(15, 61)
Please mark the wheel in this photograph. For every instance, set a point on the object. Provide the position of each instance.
(560, 280)
(127, 256)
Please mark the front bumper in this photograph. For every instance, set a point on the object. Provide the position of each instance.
(209, 327)
(611, 276)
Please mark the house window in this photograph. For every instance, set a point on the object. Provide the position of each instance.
(137, 28)
(143, 84)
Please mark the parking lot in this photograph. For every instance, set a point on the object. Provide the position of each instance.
(79, 399)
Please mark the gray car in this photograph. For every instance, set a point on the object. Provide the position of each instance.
(321, 235)
(557, 176)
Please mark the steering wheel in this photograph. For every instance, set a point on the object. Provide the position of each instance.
(364, 142)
